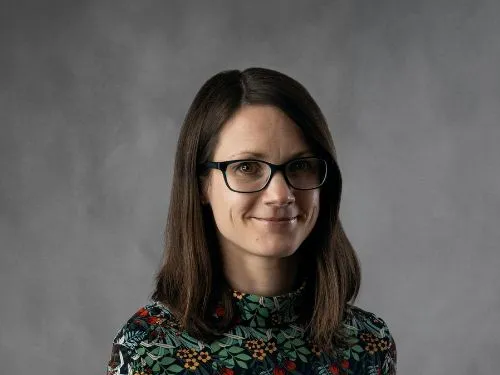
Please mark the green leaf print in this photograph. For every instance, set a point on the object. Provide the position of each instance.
(304, 350)
(243, 356)
(165, 361)
(215, 347)
(242, 364)
(158, 351)
(156, 367)
(263, 312)
(141, 350)
(302, 357)
(235, 349)
(357, 348)
(174, 369)
(252, 298)
(280, 338)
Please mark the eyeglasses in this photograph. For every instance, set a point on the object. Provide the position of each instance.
(250, 175)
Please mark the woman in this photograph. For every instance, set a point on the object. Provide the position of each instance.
(258, 275)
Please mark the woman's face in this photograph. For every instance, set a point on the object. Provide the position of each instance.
(266, 130)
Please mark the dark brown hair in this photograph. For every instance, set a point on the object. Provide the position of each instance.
(191, 280)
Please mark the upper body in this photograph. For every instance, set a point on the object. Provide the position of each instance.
(265, 339)
(253, 224)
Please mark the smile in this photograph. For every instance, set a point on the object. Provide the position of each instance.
(275, 221)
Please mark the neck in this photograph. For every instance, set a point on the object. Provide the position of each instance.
(263, 276)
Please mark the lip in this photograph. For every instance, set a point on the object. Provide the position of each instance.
(277, 220)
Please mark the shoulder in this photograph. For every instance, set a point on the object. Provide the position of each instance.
(144, 324)
(149, 324)
(363, 320)
(370, 337)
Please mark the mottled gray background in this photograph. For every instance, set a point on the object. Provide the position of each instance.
(92, 96)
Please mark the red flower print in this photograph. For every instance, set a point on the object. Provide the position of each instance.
(227, 371)
(290, 365)
(143, 312)
(334, 369)
(219, 311)
(153, 320)
(344, 364)
(278, 371)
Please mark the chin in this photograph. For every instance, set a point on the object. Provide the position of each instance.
(276, 251)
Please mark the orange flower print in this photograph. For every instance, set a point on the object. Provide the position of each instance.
(157, 334)
(334, 369)
(290, 365)
(191, 358)
(344, 364)
(238, 295)
(371, 348)
(278, 371)
(259, 354)
(204, 357)
(227, 371)
(191, 364)
(271, 347)
(219, 311)
(258, 348)
(383, 345)
(142, 312)
(154, 320)
(314, 348)
(367, 337)
(187, 353)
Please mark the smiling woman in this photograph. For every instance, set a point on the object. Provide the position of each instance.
(258, 275)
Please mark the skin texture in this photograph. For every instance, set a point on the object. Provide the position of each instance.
(258, 258)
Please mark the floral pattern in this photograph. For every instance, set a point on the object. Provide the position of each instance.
(265, 340)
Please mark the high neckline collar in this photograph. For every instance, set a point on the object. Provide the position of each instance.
(264, 312)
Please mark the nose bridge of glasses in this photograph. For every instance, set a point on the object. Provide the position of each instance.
(278, 169)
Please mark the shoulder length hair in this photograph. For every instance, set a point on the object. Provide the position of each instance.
(190, 280)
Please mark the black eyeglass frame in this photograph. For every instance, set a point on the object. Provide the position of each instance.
(222, 166)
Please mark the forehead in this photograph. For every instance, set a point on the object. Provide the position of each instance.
(262, 129)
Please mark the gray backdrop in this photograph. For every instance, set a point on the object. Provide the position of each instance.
(92, 96)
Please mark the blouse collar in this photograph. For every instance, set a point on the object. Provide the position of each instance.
(263, 312)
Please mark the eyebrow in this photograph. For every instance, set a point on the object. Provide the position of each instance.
(261, 155)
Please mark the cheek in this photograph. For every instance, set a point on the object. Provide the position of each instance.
(313, 207)
(316, 201)
(229, 208)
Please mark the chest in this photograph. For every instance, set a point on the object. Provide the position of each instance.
(249, 351)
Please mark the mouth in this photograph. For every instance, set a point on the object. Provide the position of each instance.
(284, 220)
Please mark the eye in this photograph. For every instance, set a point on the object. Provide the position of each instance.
(300, 165)
(247, 167)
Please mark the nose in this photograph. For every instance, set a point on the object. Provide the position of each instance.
(278, 191)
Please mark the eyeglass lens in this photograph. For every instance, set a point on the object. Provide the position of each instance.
(251, 175)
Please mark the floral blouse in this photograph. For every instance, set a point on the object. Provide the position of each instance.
(265, 340)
